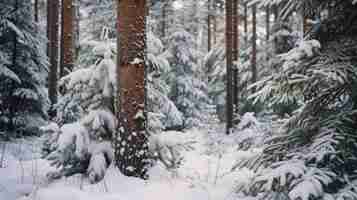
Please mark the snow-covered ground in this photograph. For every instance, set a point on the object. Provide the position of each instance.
(204, 174)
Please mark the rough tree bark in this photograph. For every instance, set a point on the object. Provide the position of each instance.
(67, 37)
(52, 31)
(131, 147)
(229, 55)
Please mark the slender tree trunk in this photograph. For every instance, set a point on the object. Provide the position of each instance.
(267, 23)
(246, 23)
(267, 34)
(163, 20)
(48, 28)
(276, 13)
(77, 28)
(235, 50)
(61, 67)
(53, 49)
(229, 55)
(68, 51)
(305, 22)
(36, 10)
(236, 53)
(209, 19)
(131, 147)
(214, 24)
(254, 45)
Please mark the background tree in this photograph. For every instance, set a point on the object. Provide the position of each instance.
(23, 67)
(68, 37)
(315, 148)
(53, 50)
(229, 54)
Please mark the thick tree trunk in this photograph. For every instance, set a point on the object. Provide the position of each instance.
(132, 147)
(254, 45)
(229, 55)
(209, 19)
(68, 51)
(53, 17)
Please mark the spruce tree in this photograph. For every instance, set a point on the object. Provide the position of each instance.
(312, 155)
(23, 69)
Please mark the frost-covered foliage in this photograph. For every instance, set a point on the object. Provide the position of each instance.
(96, 14)
(89, 87)
(214, 64)
(167, 148)
(82, 147)
(187, 86)
(312, 155)
(23, 69)
(252, 132)
(163, 113)
(85, 112)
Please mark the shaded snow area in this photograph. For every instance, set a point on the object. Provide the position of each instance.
(205, 173)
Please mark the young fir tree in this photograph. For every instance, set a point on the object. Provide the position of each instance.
(188, 89)
(81, 141)
(313, 154)
(23, 69)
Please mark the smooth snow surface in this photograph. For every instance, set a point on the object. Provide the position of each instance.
(204, 174)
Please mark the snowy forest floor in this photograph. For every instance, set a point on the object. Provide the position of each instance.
(204, 174)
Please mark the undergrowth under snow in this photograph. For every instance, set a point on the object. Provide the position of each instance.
(205, 173)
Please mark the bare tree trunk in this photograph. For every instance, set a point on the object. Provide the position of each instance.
(229, 55)
(209, 19)
(246, 23)
(254, 45)
(48, 27)
(235, 49)
(163, 20)
(53, 13)
(132, 145)
(36, 10)
(305, 21)
(276, 13)
(68, 51)
(236, 52)
(267, 23)
(76, 28)
(214, 24)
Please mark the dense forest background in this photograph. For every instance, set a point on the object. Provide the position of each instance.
(140, 84)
